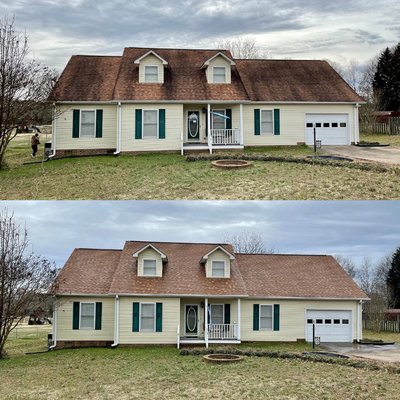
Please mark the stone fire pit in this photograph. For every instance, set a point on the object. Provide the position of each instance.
(222, 358)
(231, 164)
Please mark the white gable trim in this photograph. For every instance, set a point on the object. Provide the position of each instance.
(230, 61)
(137, 61)
(205, 257)
(163, 256)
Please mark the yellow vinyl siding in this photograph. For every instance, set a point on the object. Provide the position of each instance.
(219, 62)
(153, 61)
(152, 255)
(292, 122)
(218, 255)
(173, 128)
(292, 318)
(64, 139)
(170, 321)
(64, 307)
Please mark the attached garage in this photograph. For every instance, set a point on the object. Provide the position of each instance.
(330, 326)
(331, 129)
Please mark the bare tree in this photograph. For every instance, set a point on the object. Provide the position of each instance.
(24, 84)
(348, 265)
(249, 242)
(365, 275)
(351, 72)
(24, 276)
(244, 47)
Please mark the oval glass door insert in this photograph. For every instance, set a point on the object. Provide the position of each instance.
(191, 319)
(193, 125)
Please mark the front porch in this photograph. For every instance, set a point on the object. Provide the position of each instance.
(209, 322)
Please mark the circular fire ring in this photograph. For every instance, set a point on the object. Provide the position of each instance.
(231, 164)
(222, 358)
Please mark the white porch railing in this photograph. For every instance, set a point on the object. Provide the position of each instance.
(222, 331)
(178, 337)
(225, 136)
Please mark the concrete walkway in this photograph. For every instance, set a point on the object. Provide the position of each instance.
(388, 353)
(387, 155)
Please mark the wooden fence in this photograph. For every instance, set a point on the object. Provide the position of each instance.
(392, 127)
(382, 326)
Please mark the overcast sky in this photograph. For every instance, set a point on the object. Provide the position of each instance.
(350, 228)
(339, 30)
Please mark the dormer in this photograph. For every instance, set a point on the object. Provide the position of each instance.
(218, 263)
(151, 67)
(218, 69)
(150, 262)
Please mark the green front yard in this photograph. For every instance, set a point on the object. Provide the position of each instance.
(169, 176)
(148, 373)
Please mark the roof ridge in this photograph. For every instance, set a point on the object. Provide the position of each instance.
(284, 254)
(173, 242)
(96, 249)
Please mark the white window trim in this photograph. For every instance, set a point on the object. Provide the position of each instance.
(140, 318)
(223, 312)
(94, 315)
(213, 76)
(158, 73)
(218, 277)
(221, 111)
(259, 318)
(148, 259)
(80, 123)
(158, 125)
(273, 121)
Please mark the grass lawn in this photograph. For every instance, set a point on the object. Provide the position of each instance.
(393, 140)
(148, 373)
(169, 176)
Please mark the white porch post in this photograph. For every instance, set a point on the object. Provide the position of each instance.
(209, 127)
(241, 124)
(206, 321)
(238, 319)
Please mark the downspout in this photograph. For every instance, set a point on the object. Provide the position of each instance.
(119, 128)
(116, 330)
(359, 321)
(53, 346)
(356, 124)
(53, 133)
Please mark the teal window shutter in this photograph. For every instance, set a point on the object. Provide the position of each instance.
(276, 317)
(99, 123)
(257, 124)
(277, 122)
(99, 312)
(227, 316)
(135, 317)
(75, 123)
(138, 124)
(75, 315)
(161, 123)
(158, 317)
(256, 317)
(228, 113)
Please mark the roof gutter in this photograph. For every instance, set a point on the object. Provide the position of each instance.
(119, 128)
(116, 328)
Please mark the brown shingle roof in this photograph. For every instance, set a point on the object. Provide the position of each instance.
(95, 78)
(89, 271)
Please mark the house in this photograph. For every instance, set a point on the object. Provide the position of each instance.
(197, 293)
(178, 99)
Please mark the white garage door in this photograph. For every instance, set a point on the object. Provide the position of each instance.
(331, 129)
(330, 326)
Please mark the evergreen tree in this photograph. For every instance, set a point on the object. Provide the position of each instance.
(393, 280)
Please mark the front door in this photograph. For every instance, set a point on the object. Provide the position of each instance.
(193, 125)
(191, 316)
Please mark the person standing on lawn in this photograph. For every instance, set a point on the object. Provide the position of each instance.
(35, 143)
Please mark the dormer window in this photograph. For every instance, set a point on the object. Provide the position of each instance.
(151, 73)
(219, 75)
(149, 267)
(218, 269)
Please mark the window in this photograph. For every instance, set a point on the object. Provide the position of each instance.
(343, 124)
(219, 75)
(149, 267)
(309, 321)
(345, 321)
(318, 124)
(327, 124)
(319, 321)
(336, 321)
(328, 321)
(335, 125)
(218, 269)
(147, 317)
(310, 125)
(218, 120)
(150, 125)
(267, 122)
(87, 316)
(87, 123)
(265, 317)
(151, 74)
(217, 314)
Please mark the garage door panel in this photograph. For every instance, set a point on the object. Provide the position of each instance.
(330, 326)
(331, 129)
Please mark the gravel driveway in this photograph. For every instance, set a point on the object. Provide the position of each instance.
(386, 155)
